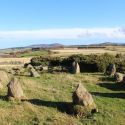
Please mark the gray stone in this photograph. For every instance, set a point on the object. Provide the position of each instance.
(81, 96)
(118, 77)
(112, 70)
(83, 103)
(34, 73)
(75, 67)
(15, 89)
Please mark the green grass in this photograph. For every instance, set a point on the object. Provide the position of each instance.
(49, 94)
(34, 53)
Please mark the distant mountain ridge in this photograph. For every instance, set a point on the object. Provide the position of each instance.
(108, 44)
(58, 45)
(54, 45)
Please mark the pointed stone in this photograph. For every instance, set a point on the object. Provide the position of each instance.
(34, 73)
(112, 70)
(81, 96)
(15, 89)
(75, 68)
(83, 103)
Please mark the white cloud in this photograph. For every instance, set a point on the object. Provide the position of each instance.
(73, 33)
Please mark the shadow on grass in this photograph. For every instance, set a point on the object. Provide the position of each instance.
(61, 106)
(113, 86)
(3, 97)
(110, 95)
(107, 78)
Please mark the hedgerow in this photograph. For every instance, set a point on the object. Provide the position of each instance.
(88, 63)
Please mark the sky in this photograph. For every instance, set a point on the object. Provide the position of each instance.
(27, 22)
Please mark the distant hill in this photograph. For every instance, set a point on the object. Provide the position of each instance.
(108, 44)
(41, 46)
(54, 45)
(57, 45)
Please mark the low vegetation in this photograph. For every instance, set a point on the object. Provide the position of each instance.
(34, 53)
(88, 63)
(50, 95)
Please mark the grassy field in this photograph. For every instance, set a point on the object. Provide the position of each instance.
(21, 59)
(51, 94)
(34, 53)
(69, 51)
(8, 63)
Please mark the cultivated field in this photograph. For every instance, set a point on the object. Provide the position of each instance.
(13, 62)
(86, 51)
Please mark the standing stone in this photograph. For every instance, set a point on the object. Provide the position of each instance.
(118, 77)
(1, 85)
(75, 68)
(112, 69)
(32, 70)
(83, 101)
(34, 73)
(15, 89)
(82, 97)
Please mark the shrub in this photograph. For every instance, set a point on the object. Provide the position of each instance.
(87, 63)
(37, 61)
(103, 61)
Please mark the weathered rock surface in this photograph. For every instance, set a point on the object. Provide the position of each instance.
(15, 89)
(1, 85)
(112, 70)
(118, 77)
(82, 97)
(34, 73)
(75, 68)
(83, 101)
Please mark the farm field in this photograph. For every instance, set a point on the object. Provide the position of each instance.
(69, 51)
(13, 62)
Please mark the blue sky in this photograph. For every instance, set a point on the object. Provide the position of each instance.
(26, 22)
